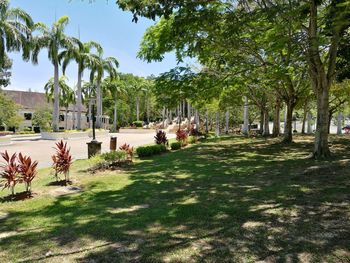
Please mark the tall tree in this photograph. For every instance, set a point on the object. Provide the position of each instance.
(98, 69)
(15, 31)
(81, 54)
(54, 40)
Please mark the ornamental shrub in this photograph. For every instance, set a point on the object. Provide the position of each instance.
(175, 146)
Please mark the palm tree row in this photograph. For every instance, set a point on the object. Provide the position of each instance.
(16, 34)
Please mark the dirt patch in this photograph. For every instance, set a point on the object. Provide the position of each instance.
(68, 190)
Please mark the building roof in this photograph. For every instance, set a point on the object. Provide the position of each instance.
(31, 100)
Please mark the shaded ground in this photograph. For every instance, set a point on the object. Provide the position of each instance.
(230, 200)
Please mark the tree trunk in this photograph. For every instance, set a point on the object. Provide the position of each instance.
(56, 103)
(73, 118)
(99, 105)
(246, 117)
(261, 128)
(285, 119)
(147, 108)
(266, 123)
(217, 124)
(115, 117)
(66, 119)
(339, 123)
(304, 120)
(321, 149)
(79, 103)
(137, 108)
(330, 116)
(276, 119)
(206, 122)
(288, 133)
(227, 122)
(90, 115)
(309, 125)
(189, 114)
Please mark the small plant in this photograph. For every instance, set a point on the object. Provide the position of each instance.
(161, 138)
(192, 139)
(114, 156)
(194, 132)
(147, 151)
(175, 146)
(62, 160)
(27, 170)
(181, 136)
(9, 174)
(128, 150)
(138, 124)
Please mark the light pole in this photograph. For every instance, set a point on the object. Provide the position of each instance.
(94, 147)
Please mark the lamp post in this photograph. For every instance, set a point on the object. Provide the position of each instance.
(94, 147)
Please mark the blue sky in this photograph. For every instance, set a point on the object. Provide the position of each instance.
(101, 21)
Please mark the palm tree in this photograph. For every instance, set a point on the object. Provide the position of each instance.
(81, 53)
(115, 88)
(139, 86)
(15, 31)
(98, 68)
(54, 40)
(89, 91)
(66, 96)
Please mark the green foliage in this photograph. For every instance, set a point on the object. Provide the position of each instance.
(114, 156)
(175, 146)
(192, 139)
(138, 124)
(8, 112)
(146, 151)
(42, 117)
(5, 72)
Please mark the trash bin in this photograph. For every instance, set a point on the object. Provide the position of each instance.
(113, 143)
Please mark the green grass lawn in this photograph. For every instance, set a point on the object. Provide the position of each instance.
(228, 200)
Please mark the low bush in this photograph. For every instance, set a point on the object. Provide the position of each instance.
(161, 138)
(146, 151)
(138, 124)
(114, 156)
(192, 139)
(175, 146)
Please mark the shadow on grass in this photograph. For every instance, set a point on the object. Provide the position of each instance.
(17, 197)
(218, 201)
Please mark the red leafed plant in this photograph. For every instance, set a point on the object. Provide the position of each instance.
(62, 160)
(181, 136)
(27, 170)
(161, 138)
(129, 150)
(9, 174)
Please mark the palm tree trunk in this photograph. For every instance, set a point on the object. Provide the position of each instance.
(137, 108)
(147, 108)
(99, 105)
(79, 104)
(115, 114)
(56, 104)
(66, 119)
(90, 115)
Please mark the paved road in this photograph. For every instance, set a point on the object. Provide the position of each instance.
(42, 150)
